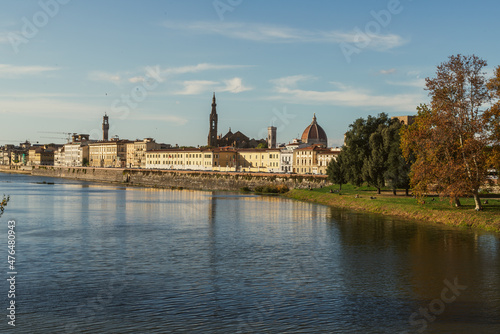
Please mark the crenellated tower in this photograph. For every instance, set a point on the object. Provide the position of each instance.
(105, 127)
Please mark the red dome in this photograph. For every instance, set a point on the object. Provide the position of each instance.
(314, 134)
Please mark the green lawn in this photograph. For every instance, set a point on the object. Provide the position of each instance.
(435, 209)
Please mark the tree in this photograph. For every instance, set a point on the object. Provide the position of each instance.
(492, 116)
(262, 145)
(357, 146)
(397, 170)
(374, 166)
(336, 171)
(449, 137)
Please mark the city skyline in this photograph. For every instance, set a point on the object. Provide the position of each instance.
(153, 66)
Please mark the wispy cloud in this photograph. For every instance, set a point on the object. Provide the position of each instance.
(138, 76)
(10, 71)
(344, 96)
(48, 107)
(104, 76)
(420, 83)
(291, 81)
(200, 68)
(4, 37)
(159, 118)
(234, 85)
(267, 33)
(194, 87)
(387, 72)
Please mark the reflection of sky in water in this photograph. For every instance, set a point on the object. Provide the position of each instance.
(209, 261)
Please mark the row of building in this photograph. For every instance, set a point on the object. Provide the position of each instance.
(295, 157)
(233, 152)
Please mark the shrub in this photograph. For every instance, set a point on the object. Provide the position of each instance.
(259, 189)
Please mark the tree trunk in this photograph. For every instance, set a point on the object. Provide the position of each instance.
(477, 200)
(456, 202)
(394, 192)
(407, 192)
(340, 186)
(378, 191)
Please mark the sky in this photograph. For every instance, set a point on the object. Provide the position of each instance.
(153, 66)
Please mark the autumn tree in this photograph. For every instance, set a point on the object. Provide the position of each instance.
(492, 116)
(449, 138)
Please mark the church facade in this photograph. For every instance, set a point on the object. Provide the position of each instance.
(236, 139)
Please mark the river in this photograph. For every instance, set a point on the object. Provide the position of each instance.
(102, 258)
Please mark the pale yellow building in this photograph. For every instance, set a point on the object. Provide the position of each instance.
(41, 156)
(305, 160)
(324, 158)
(181, 158)
(108, 154)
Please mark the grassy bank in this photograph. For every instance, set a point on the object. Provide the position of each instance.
(434, 209)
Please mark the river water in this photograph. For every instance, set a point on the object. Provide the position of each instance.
(97, 258)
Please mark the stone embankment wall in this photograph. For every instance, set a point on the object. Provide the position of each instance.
(181, 179)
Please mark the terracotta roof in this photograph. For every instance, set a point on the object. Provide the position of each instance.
(314, 133)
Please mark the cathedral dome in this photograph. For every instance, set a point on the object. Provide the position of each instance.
(314, 134)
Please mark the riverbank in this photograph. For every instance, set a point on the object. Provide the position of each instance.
(176, 179)
(434, 210)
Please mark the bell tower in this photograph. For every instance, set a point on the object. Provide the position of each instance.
(212, 134)
(271, 137)
(105, 127)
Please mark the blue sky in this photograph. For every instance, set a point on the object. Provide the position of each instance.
(152, 66)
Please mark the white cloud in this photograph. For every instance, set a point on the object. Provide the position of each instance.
(291, 81)
(234, 85)
(281, 34)
(195, 87)
(389, 71)
(345, 96)
(139, 76)
(199, 68)
(420, 83)
(159, 118)
(7, 70)
(36, 106)
(104, 76)
(47, 106)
